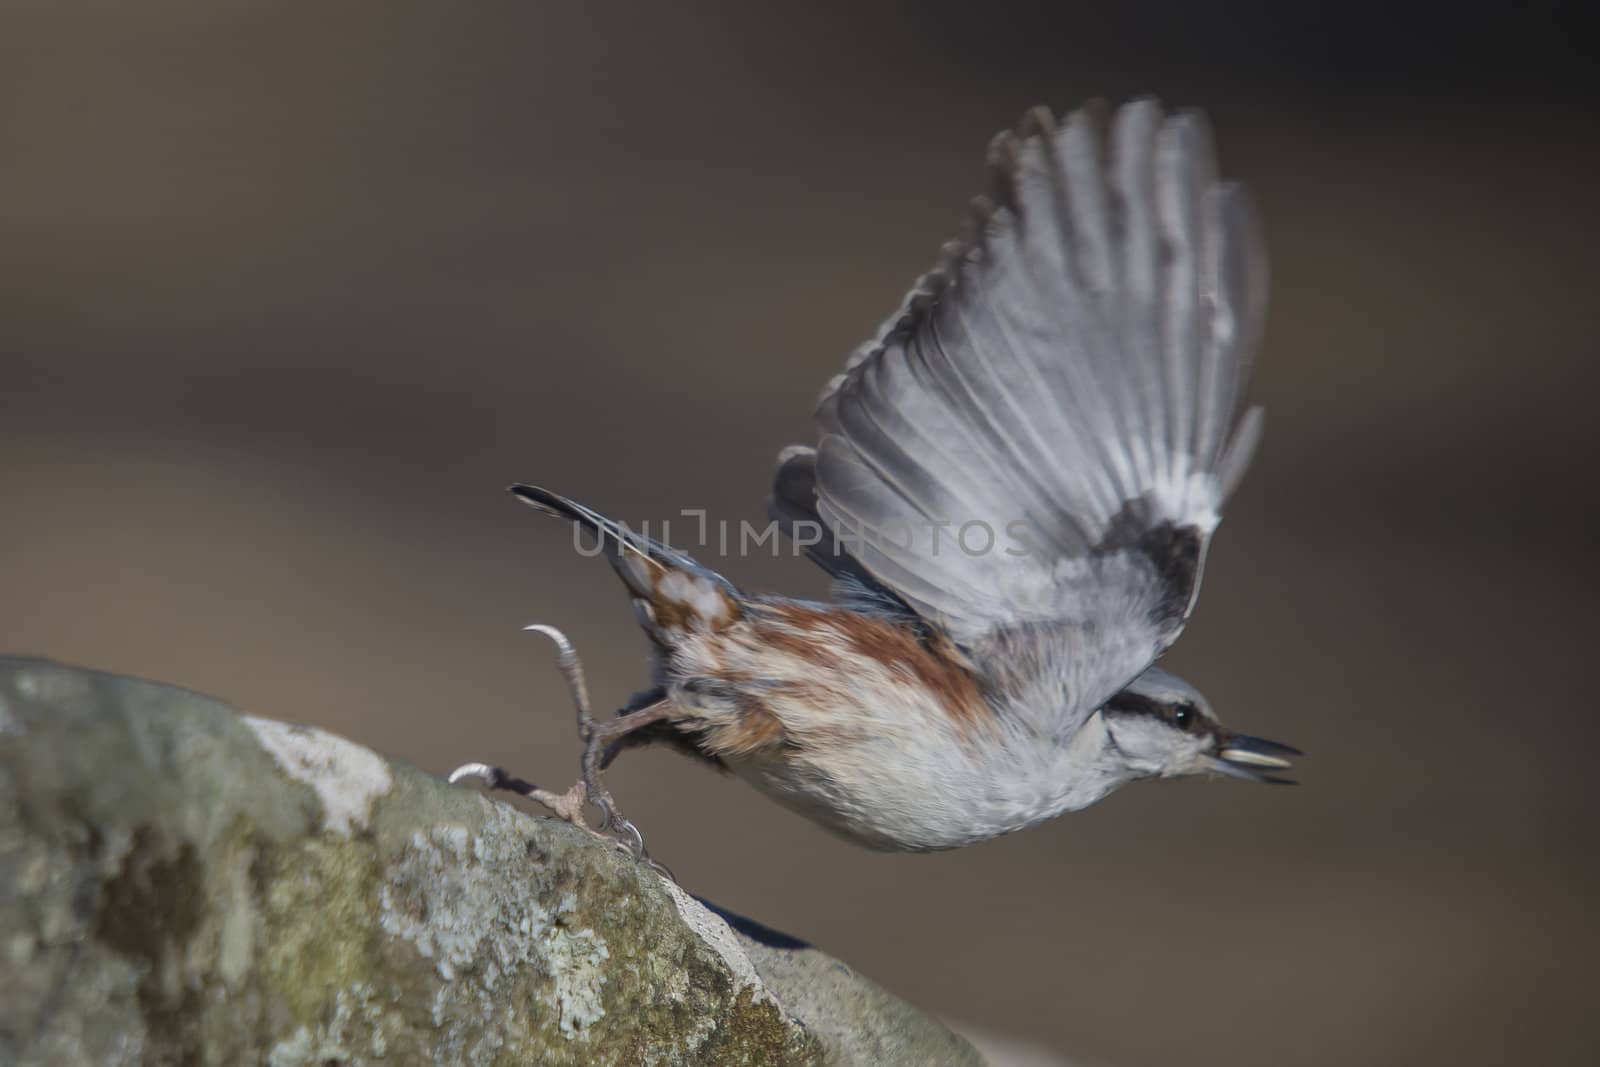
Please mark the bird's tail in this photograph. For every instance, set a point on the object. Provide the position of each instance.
(671, 591)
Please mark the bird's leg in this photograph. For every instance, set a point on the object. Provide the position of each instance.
(645, 701)
(596, 737)
(599, 740)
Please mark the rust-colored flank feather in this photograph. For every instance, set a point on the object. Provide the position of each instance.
(934, 665)
(755, 730)
(819, 662)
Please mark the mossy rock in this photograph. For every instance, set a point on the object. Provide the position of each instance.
(183, 884)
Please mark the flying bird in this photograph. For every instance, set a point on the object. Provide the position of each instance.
(1013, 489)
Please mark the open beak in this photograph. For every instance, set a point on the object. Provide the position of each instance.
(1251, 758)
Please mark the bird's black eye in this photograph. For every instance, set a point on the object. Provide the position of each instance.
(1184, 717)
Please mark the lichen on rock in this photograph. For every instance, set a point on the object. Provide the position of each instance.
(346, 777)
(183, 884)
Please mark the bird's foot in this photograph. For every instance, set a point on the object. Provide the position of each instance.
(597, 738)
(567, 806)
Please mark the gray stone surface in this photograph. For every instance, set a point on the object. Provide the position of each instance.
(180, 883)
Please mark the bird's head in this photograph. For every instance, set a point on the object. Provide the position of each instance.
(1160, 726)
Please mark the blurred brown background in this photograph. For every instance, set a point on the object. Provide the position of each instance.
(291, 292)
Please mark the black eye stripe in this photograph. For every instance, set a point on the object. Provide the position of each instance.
(1133, 704)
(1182, 716)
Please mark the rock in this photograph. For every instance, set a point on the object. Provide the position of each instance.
(183, 884)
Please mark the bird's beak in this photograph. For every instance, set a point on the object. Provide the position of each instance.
(1250, 758)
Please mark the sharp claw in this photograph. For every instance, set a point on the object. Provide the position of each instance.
(636, 846)
(490, 775)
(571, 670)
(563, 644)
(608, 810)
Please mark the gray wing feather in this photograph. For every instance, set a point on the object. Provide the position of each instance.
(1072, 371)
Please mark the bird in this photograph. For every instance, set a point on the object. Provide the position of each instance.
(1013, 489)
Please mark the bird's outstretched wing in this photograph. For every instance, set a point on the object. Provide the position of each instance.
(1033, 453)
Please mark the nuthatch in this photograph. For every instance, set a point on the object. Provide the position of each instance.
(1070, 374)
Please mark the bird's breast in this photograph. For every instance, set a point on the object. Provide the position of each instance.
(859, 723)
